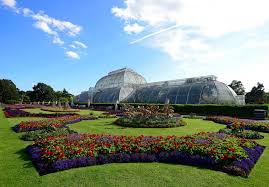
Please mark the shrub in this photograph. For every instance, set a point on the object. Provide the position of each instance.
(245, 111)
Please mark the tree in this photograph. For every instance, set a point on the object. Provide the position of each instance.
(8, 91)
(63, 94)
(238, 87)
(256, 95)
(266, 98)
(42, 92)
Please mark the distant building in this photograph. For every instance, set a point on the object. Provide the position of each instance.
(125, 85)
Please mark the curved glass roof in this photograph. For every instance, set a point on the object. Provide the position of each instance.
(128, 86)
(209, 92)
(119, 78)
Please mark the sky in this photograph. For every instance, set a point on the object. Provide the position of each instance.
(72, 44)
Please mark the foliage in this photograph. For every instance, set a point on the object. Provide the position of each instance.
(158, 122)
(256, 95)
(63, 96)
(238, 87)
(248, 134)
(45, 133)
(239, 124)
(149, 116)
(219, 110)
(212, 150)
(42, 92)
(8, 92)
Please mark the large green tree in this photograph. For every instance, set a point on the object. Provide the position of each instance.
(42, 92)
(63, 94)
(238, 87)
(8, 91)
(256, 95)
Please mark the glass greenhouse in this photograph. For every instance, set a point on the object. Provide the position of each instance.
(125, 85)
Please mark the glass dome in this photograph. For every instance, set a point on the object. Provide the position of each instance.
(119, 78)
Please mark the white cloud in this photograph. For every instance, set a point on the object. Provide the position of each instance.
(44, 27)
(73, 46)
(27, 12)
(72, 54)
(57, 40)
(59, 25)
(80, 44)
(133, 28)
(9, 3)
(256, 44)
(54, 27)
(193, 22)
(211, 17)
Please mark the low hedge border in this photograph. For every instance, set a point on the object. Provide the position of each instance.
(239, 168)
(10, 112)
(62, 110)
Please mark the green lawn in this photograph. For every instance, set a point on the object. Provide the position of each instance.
(81, 112)
(17, 170)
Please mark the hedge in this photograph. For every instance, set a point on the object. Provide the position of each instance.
(240, 111)
(244, 111)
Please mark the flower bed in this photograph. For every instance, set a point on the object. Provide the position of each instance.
(157, 122)
(149, 117)
(247, 124)
(18, 112)
(217, 151)
(59, 110)
(248, 134)
(62, 122)
(45, 133)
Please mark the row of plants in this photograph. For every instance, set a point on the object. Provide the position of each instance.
(48, 124)
(247, 124)
(239, 111)
(57, 109)
(45, 133)
(150, 116)
(18, 112)
(217, 151)
(248, 134)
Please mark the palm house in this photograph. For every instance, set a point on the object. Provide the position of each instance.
(126, 85)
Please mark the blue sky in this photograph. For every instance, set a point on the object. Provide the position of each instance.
(71, 44)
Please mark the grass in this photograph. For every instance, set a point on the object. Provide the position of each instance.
(17, 170)
(81, 112)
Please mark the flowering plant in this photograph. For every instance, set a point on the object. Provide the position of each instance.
(217, 151)
(49, 124)
(238, 124)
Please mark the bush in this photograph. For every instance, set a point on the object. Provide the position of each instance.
(248, 134)
(45, 133)
(246, 111)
